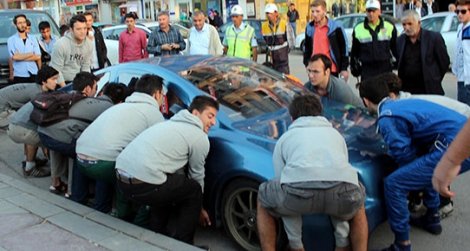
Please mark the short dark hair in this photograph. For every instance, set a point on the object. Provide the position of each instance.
(392, 81)
(45, 73)
(118, 92)
(130, 15)
(88, 14)
(200, 103)
(149, 84)
(28, 22)
(373, 90)
(462, 2)
(18, 16)
(305, 105)
(82, 80)
(77, 18)
(325, 60)
(317, 3)
(63, 28)
(44, 25)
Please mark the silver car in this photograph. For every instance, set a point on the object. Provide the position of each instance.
(445, 23)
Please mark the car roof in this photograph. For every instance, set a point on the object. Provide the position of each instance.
(439, 14)
(180, 63)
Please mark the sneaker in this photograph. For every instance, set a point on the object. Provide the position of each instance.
(37, 172)
(398, 247)
(39, 162)
(446, 210)
(430, 223)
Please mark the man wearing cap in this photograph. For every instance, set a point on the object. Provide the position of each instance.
(240, 38)
(326, 36)
(274, 31)
(374, 40)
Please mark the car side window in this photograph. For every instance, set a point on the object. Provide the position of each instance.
(455, 24)
(103, 80)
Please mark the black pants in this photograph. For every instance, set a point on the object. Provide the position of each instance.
(174, 205)
(30, 79)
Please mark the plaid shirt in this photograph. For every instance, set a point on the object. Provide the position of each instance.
(159, 38)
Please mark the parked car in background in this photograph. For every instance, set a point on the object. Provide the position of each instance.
(256, 24)
(349, 22)
(111, 36)
(445, 23)
(8, 29)
(253, 114)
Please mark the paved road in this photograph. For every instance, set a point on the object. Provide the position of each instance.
(456, 227)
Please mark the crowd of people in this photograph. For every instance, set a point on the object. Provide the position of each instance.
(419, 125)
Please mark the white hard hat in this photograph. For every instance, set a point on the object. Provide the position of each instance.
(236, 11)
(270, 8)
(373, 4)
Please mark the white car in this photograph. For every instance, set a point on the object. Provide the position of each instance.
(445, 23)
(111, 36)
(349, 22)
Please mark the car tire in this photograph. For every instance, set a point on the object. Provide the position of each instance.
(239, 213)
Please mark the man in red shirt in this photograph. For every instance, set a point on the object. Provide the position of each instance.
(326, 36)
(132, 42)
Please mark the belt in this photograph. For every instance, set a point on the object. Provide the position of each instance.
(126, 178)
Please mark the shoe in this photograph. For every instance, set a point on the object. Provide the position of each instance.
(39, 162)
(397, 247)
(37, 172)
(60, 189)
(446, 210)
(430, 223)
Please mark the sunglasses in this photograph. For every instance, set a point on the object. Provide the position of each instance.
(371, 10)
(463, 11)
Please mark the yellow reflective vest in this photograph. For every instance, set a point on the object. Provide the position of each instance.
(239, 44)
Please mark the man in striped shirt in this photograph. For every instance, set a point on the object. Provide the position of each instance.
(165, 40)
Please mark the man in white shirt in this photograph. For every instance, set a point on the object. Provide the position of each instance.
(203, 38)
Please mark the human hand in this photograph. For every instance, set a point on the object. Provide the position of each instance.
(166, 47)
(204, 219)
(443, 176)
(175, 46)
(344, 75)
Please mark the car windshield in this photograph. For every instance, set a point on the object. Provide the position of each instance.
(6, 22)
(247, 90)
(433, 24)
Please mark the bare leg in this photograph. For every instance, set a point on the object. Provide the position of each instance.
(45, 151)
(359, 230)
(31, 152)
(266, 229)
(342, 248)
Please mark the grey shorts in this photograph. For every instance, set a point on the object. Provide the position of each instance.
(341, 201)
(22, 135)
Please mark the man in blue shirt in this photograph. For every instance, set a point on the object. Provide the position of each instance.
(24, 52)
(46, 41)
(417, 133)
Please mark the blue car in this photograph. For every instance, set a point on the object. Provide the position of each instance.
(253, 115)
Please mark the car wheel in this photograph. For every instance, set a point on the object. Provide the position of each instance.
(302, 46)
(239, 213)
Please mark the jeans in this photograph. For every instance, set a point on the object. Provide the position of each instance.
(174, 205)
(103, 173)
(463, 93)
(294, 27)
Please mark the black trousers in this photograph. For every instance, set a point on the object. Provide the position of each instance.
(174, 205)
(30, 79)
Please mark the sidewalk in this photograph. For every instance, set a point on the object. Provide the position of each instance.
(32, 218)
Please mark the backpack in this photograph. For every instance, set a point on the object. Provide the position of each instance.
(53, 107)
